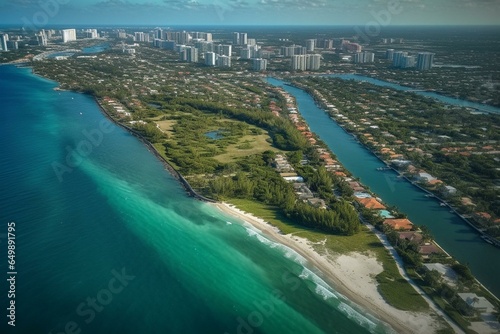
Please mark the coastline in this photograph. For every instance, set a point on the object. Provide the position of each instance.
(351, 275)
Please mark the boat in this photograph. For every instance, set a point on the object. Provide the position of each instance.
(487, 239)
(442, 204)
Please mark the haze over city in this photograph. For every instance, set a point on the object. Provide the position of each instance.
(250, 12)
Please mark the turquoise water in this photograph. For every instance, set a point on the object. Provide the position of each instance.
(214, 135)
(450, 231)
(96, 48)
(441, 98)
(108, 242)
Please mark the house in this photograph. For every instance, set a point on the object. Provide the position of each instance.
(399, 224)
(370, 203)
(428, 248)
(425, 177)
(449, 191)
(411, 236)
(448, 274)
(356, 186)
(317, 202)
(480, 304)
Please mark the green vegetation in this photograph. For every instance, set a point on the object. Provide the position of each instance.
(394, 288)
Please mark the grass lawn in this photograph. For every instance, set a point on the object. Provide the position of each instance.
(246, 145)
(167, 126)
(392, 286)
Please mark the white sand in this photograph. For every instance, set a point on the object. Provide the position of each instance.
(352, 275)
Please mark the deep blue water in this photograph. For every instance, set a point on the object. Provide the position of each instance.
(449, 230)
(108, 242)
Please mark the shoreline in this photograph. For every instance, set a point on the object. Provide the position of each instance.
(351, 275)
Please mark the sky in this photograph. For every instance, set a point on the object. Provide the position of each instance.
(43, 13)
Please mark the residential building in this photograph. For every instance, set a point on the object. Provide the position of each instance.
(425, 61)
(68, 35)
(310, 44)
(364, 57)
(223, 61)
(189, 54)
(259, 64)
(306, 62)
(210, 58)
(399, 224)
(389, 54)
(4, 38)
(240, 38)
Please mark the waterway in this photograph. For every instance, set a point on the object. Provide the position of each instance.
(441, 98)
(449, 230)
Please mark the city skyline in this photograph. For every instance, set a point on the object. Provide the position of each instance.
(249, 12)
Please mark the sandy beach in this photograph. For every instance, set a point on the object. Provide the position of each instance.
(352, 275)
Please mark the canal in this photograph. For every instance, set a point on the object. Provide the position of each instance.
(448, 229)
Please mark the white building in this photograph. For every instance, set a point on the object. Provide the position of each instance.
(4, 38)
(259, 64)
(223, 61)
(310, 44)
(210, 58)
(68, 35)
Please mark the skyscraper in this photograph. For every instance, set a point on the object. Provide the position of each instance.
(240, 38)
(397, 58)
(139, 36)
(68, 35)
(3, 42)
(210, 58)
(299, 63)
(364, 57)
(313, 62)
(227, 50)
(259, 64)
(425, 61)
(223, 61)
(192, 54)
(389, 54)
(310, 44)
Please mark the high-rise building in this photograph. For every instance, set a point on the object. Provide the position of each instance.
(313, 62)
(42, 38)
(245, 53)
(425, 61)
(240, 38)
(192, 54)
(227, 50)
(91, 33)
(310, 44)
(408, 62)
(223, 61)
(299, 63)
(351, 47)
(328, 44)
(139, 36)
(210, 58)
(389, 54)
(3, 42)
(68, 35)
(364, 57)
(397, 58)
(12, 45)
(251, 41)
(288, 51)
(158, 33)
(306, 62)
(259, 64)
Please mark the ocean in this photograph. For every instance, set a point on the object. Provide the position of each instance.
(107, 241)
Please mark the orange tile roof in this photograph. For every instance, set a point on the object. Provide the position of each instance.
(371, 203)
(399, 223)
